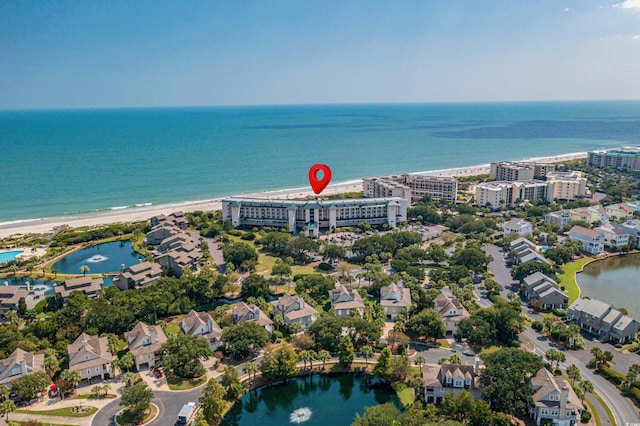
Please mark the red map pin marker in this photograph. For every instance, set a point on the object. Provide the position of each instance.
(318, 185)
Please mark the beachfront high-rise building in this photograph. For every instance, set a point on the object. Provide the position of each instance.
(512, 171)
(314, 214)
(501, 193)
(566, 185)
(626, 158)
(407, 186)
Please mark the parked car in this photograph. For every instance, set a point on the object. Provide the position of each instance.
(157, 373)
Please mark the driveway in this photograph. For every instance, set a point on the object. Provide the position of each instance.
(501, 273)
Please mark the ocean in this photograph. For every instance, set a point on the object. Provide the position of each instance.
(62, 162)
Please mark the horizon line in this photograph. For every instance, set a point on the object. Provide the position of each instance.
(310, 104)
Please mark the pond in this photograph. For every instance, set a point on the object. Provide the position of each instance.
(311, 400)
(46, 287)
(107, 257)
(614, 280)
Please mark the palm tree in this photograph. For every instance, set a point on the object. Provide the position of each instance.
(573, 372)
(304, 356)
(4, 393)
(106, 388)
(586, 387)
(71, 376)
(7, 407)
(250, 368)
(455, 359)
(419, 360)
(312, 357)
(84, 269)
(367, 353)
(126, 361)
(573, 332)
(128, 378)
(324, 356)
(55, 273)
(96, 391)
(634, 369)
(51, 363)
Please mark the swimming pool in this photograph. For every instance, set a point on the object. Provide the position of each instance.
(8, 256)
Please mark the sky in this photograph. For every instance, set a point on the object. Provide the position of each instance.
(79, 54)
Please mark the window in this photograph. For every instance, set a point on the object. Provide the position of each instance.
(448, 379)
(554, 411)
(88, 372)
(97, 369)
(86, 357)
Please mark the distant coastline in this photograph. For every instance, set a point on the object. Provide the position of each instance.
(144, 211)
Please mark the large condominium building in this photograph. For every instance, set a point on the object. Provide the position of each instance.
(512, 171)
(566, 185)
(407, 186)
(626, 158)
(314, 215)
(501, 193)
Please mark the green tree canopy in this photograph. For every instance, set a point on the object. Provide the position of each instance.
(183, 353)
(427, 323)
(31, 386)
(279, 363)
(238, 253)
(212, 401)
(244, 338)
(255, 286)
(137, 398)
(383, 368)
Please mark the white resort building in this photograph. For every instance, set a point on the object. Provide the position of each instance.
(412, 186)
(314, 214)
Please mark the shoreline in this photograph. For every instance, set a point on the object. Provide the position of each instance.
(146, 211)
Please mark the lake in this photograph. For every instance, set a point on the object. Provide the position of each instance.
(107, 257)
(311, 400)
(615, 280)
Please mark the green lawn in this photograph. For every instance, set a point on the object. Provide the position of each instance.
(594, 412)
(178, 383)
(612, 420)
(172, 329)
(568, 278)
(65, 412)
(126, 419)
(489, 350)
(405, 394)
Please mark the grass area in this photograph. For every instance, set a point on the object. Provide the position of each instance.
(443, 343)
(30, 422)
(594, 412)
(612, 419)
(172, 329)
(489, 350)
(126, 419)
(64, 412)
(568, 277)
(178, 383)
(405, 394)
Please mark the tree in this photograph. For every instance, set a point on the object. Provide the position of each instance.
(212, 401)
(279, 363)
(231, 382)
(70, 378)
(366, 353)
(51, 363)
(455, 359)
(281, 269)
(586, 387)
(397, 338)
(379, 415)
(250, 369)
(333, 252)
(255, 286)
(128, 379)
(312, 357)
(346, 353)
(324, 356)
(304, 357)
(31, 386)
(472, 258)
(632, 373)
(7, 407)
(245, 337)
(126, 361)
(573, 372)
(553, 355)
(136, 399)
(419, 360)
(239, 253)
(84, 269)
(183, 353)
(525, 269)
(427, 323)
(4, 393)
(507, 388)
(383, 368)
(400, 366)
(436, 253)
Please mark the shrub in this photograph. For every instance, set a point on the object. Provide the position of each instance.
(618, 345)
(635, 392)
(249, 236)
(555, 334)
(611, 375)
(324, 266)
(633, 348)
(235, 232)
(586, 416)
(537, 325)
(560, 314)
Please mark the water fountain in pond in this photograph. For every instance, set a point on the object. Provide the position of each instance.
(96, 258)
(300, 415)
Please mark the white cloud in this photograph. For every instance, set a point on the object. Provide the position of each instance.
(566, 9)
(630, 5)
(636, 38)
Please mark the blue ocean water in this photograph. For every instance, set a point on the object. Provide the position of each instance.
(61, 162)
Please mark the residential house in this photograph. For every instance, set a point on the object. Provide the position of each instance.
(393, 299)
(178, 252)
(445, 378)
(554, 400)
(523, 251)
(592, 240)
(294, 309)
(19, 364)
(615, 235)
(138, 275)
(159, 233)
(202, 324)
(632, 227)
(10, 295)
(249, 312)
(518, 226)
(590, 215)
(560, 218)
(618, 212)
(90, 356)
(143, 342)
(176, 219)
(540, 287)
(91, 287)
(346, 302)
(450, 311)
(603, 320)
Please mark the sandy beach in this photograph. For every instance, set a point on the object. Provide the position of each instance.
(41, 226)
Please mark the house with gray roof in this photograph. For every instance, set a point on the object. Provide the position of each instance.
(615, 235)
(538, 286)
(176, 219)
(10, 295)
(446, 378)
(91, 287)
(143, 342)
(178, 252)
(138, 275)
(20, 364)
(592, 240)
(450, 311)
(603, 320)
(346, 302)
(159, 233)
(523, 250)
(244, 312)
(553, 400)
(202, 324)
(294, 309)
(393, 299)
(90, 356)
(518, 226)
